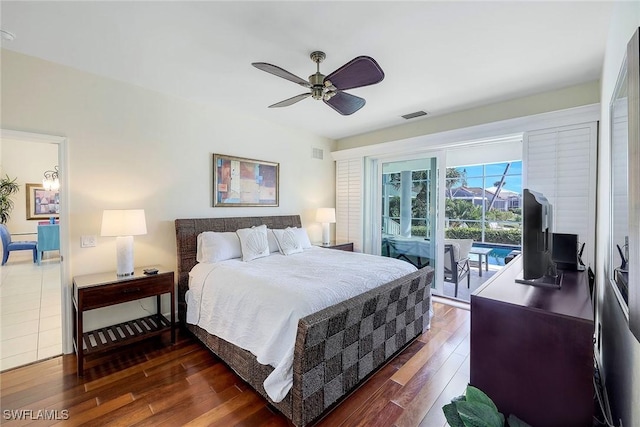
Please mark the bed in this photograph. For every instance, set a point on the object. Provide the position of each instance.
(336, 348)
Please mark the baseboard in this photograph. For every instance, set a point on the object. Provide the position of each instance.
(452, 302)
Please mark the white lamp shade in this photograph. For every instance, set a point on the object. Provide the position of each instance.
(326, 215)
(123, 222)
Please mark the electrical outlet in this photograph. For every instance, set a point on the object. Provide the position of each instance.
(88, 241)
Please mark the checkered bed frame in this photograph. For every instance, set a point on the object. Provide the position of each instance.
(336, 348)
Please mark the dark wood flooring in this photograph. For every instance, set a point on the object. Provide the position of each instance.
(155, 384)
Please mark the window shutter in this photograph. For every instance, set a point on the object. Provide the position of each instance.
(561, 164)
(349, 202)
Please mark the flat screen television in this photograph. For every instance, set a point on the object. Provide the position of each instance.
(539, 268)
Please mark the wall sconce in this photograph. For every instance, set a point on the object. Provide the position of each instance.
(123, 225)
(326, 216)
(51, 180)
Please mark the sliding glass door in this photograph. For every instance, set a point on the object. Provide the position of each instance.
(409, 194)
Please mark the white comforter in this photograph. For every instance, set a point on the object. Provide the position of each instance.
(256, 305)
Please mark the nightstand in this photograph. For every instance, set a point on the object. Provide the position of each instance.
(106, 289)
(339, 246)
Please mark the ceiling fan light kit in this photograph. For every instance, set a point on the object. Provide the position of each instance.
(360, 71)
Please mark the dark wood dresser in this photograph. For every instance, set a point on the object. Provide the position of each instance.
(532, 348)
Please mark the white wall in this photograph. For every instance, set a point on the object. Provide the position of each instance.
(134, 148)
(620, 350)
(26, 161)
(573, 96)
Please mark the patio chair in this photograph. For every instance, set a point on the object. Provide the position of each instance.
(456, 261)
(8, 245)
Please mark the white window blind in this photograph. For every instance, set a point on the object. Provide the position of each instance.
(349, 202)
(560, 163)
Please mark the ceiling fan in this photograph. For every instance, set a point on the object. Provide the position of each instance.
(360, 71)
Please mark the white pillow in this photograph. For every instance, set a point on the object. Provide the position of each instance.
(303, 237)
(254, 242)
(214, 247)
(273, 243)
(288, 241)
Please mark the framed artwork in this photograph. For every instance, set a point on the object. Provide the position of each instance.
(244, 182)
(41, 203)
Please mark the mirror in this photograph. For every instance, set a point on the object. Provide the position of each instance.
(633, 88)
(619, 247)
(624, 248)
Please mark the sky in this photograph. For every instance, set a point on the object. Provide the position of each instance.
(493, 172)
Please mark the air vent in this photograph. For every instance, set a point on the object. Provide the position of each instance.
(317, 153)
(414, 115)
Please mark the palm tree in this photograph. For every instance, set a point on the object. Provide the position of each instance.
(458, 210)
(455, 176)
(8, 187)
(499, 185)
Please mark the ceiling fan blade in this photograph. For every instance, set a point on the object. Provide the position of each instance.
(277, 71)
(290, 101)
(360, 71)
(345, 103)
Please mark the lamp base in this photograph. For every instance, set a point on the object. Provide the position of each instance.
(124, 256)
(326, 238)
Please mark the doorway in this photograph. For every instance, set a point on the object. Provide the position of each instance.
(31, 292)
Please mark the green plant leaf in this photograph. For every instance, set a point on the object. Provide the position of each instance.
(476, 395)
(460, 398)
(452, 416)
(516, 422)
(476, 414)
(8, 187)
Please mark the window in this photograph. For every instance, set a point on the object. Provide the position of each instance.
(419, 208)
(483, 203)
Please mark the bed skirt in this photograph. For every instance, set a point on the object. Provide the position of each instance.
(339, 347)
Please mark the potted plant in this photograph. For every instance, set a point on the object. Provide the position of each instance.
(476, 409)
(8, 187)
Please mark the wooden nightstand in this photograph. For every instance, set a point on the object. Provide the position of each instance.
(339, 246)
(106, 289)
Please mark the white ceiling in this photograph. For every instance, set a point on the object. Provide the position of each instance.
(437, 56)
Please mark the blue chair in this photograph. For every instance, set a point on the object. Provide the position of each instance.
(8, 245)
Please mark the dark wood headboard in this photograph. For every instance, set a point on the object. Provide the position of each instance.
(187, 231)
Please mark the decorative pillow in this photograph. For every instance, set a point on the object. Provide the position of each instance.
(254, 242)
(288, 241)
(303, 237)
(273, 243)
(214, 247)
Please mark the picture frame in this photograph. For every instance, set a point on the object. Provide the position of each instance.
(239, 181)
(41, 203)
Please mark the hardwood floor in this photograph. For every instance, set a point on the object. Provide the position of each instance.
(155, 384)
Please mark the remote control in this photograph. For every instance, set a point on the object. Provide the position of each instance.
(150, 271)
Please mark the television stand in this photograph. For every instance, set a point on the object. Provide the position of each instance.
(532, 348)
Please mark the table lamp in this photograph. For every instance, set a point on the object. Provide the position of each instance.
(123, 224)
(326, 216)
